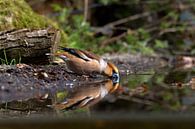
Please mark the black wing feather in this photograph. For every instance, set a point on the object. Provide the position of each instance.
(73, 52)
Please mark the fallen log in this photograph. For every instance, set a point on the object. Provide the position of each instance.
(29, 45)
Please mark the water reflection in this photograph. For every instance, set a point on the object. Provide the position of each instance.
(86, 94)
(184, 62)
(75, 96)
(160, 89)
(168, 89)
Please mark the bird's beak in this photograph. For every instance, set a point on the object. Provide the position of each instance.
(115, 78)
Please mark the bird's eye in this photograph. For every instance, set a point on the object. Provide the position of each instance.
(115, 78)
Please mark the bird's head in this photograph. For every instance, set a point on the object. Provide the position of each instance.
(112, 71)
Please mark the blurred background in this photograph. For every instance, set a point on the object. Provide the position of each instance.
(137, 26)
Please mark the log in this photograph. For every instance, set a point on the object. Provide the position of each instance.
(30, 45)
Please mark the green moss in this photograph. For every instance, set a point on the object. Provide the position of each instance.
(17, 14)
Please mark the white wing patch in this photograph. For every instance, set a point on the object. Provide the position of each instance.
(103, 91)
(103, 64)
(63, 57)
(85, 57)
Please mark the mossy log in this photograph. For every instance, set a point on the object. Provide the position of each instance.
(28, 45)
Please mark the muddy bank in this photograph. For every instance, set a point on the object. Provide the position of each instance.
(48, 76)
(33, 87)
(145, 83)
(27, 81)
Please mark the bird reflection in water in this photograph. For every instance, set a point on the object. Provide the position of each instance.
(86, 95)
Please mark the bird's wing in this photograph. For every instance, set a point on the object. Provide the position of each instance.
(90, 55)
(87, 56)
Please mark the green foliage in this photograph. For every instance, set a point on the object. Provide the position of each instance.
(17, 14)
(138, 42)
(106, 2)
(162, 29)
(7, 62)
(79, 32)
(160, 44)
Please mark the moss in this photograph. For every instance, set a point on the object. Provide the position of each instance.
(17, 14)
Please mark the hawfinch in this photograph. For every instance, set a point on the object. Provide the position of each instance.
(86, 63)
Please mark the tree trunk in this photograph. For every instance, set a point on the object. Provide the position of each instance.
(29, 45)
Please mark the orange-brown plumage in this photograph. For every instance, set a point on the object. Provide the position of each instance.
(87, 63)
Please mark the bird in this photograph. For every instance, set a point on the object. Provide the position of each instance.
(86, 63)
(86, 95)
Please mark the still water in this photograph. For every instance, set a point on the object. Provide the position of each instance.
(152, 90)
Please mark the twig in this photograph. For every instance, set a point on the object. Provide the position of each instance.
(170, 30)
(113, 39)
(175, 29)
(127, 19)
(86, 4)
(110, 26)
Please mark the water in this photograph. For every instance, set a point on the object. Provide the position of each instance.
(150, 90)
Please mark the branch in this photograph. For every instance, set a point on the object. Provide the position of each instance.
(86, 4)
(113, 39)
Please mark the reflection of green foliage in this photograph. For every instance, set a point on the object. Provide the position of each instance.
(76, 112)
(172, 100)
(136, 80)
(61, 96)
(164, 94)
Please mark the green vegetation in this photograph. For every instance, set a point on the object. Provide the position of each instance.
(79, 34)
(17, 14)
(6, 61)
(113, 25)
(158, 26)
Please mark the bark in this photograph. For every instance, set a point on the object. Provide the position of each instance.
(30, 45)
